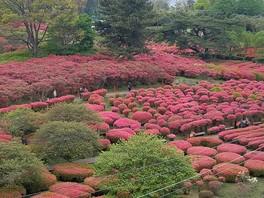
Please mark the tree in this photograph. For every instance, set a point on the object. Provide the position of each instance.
(69, 35)
(92, 8)
(64, 141)
(245, 7)
(16, 163)
(199, 32)
(71, 112)
(202, 4)
(123, 25)
(144, 164)
(29, 21)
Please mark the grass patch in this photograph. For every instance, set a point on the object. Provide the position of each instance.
(246, 191)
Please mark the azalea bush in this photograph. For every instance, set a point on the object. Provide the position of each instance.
(64, 141)
(138, 155)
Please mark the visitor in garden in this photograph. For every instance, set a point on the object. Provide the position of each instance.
(81, 90)
(244, 122)
(129, 86)
(55, 93)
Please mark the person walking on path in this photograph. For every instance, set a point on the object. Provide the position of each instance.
(129, 86)
(55, 93)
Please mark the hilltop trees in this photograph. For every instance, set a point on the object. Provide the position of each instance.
(123, 25)
(29, 21)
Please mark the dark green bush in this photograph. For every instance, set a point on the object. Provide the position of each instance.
(64, 141)
(18, 166)
(253, 96)
(22, 122)
(71, 112)
(133, 160)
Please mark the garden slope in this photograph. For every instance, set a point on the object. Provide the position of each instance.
(36, 78)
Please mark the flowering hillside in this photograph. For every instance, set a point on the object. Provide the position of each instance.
(36, 78)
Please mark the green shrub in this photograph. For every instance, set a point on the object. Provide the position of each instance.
(18, 167)
(253, 96)
(206, 194)
(133, 160)
(22, 122)
(216, 89)
(259, 76)
(71, 112)
(59, 141)
(237, 95)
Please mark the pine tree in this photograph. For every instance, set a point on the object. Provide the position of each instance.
(123, 25)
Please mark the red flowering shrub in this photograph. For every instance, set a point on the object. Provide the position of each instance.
(12, 192)
(49, 195)
(214, 130)
(67, 98)
(229, 171)
(234, 148)
(164, 131)
(256, 167)
(109, 117)
(256, 155)
(102, 126)
(180, 144)
(36, 106)
(72, 189)
(200, 162)
(152, 126)
(105, 143)
(142, 117)
(86, 96)
(126, 122)
(204, 141)
(152, 132)
(95, 107)
(100, 92)
(201, 150)
(205, 171)
(233, 158)
(118, 134)
(72, 172)
(95, 182)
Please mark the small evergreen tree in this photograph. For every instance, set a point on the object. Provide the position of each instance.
(124, 24)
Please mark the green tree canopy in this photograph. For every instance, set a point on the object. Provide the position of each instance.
(142, 164)
(123, 25)
(64, 141)
(28, 21)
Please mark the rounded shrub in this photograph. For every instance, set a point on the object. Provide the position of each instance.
(72, 189)
(233, 158)
(215, 186)
(71, 112)
(72, 172)
(256, 167)
(12, 192)
(142, 151)
(142, 117)
(180, 144)
(201, 150)
(22, 122)
(16, 162)
(49, 195)
(234, 148)
(204, 141)
(206, 194)
(229, 171)
(200, 162)
(60, 141)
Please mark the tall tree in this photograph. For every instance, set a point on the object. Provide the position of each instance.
(28, 21)
(203, 34)
(92, 8)
(124, 24)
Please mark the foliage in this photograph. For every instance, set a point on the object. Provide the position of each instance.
(72, 172)
(69, 35)
(29, 21)
(17, 56)
(16, 163)
(22, 122)
(71, 112)
(58, 141)
(124, 25)
(142, 151)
